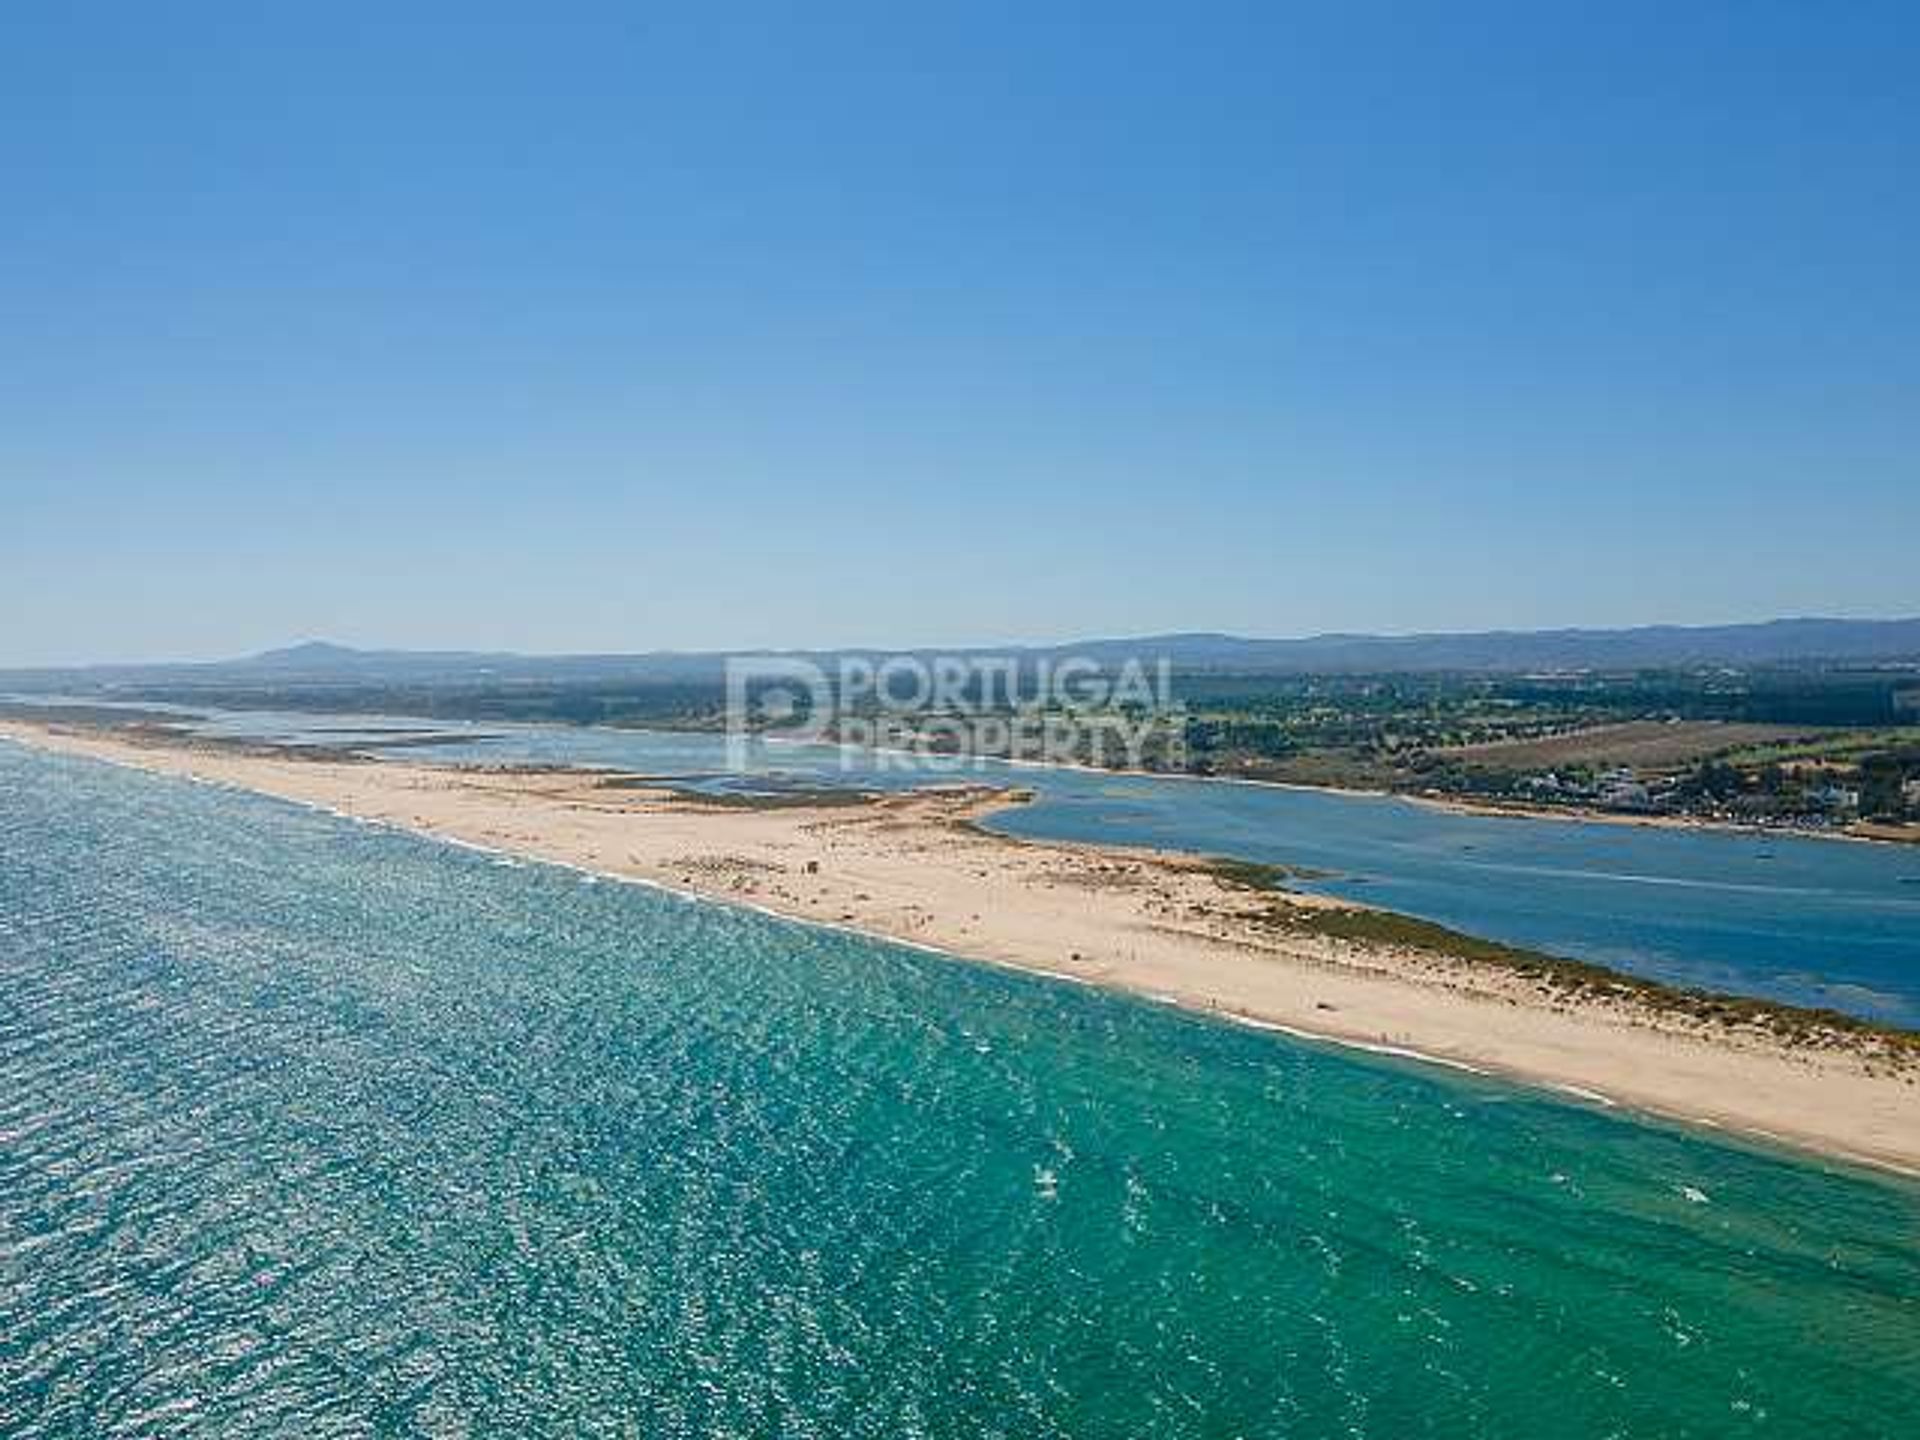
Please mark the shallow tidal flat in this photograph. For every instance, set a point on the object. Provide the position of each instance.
(319, 1128)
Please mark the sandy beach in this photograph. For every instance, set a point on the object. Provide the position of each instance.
(1858, 831)
(916, 868)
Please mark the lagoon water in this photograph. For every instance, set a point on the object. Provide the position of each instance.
(310, 1128)
(1804, 920)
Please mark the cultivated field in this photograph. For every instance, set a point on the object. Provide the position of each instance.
(1646, 744)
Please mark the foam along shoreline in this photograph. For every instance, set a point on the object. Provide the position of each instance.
(916, 868)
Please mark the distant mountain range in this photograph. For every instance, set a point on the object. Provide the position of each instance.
(1768, 643)
(1773, 642)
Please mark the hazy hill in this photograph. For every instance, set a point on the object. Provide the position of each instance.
(1772, 642)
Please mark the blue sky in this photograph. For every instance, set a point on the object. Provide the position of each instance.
(574, 327)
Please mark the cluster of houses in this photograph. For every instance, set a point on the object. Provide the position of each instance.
(1623, 790)
(1615, 790)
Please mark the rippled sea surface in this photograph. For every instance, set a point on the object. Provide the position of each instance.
(1802, 920)
(313, 1129)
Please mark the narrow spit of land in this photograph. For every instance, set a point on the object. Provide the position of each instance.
(1215, 936)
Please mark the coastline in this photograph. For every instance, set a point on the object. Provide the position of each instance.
(1860, 832)
(1498, 810)
(1857, 832)
(917, 868)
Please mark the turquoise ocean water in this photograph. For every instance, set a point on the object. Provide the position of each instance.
(312, 1129)
(1807, 921)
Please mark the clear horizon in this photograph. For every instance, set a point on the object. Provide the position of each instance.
(877, 720)
(607, 333)
(939, 644)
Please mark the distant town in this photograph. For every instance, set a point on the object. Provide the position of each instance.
(1808, 725)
